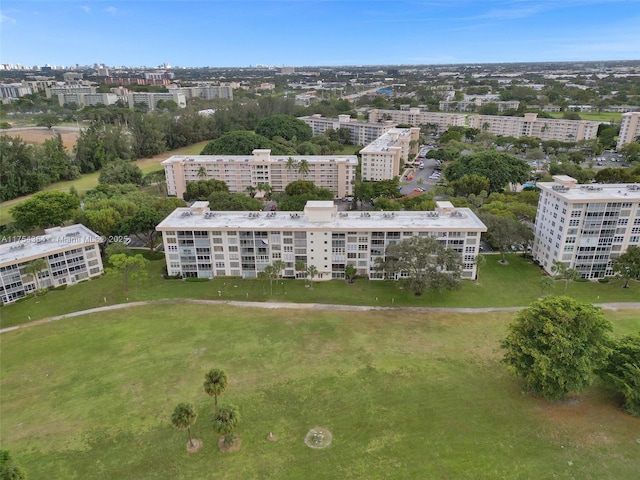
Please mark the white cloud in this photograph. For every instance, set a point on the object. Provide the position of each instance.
(85, 8)
(111, 10)
(5, 19)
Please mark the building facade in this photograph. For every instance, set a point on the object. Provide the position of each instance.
(151, 99)
(84, 99)
(383, 158)
(532, 126)
(335, 172)
(205, 244)
(439, 122)
(72, 254)
(585, 226)
(361, 133)
(629, 129)
(205, 92)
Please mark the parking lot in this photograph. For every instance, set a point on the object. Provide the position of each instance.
(416, 179)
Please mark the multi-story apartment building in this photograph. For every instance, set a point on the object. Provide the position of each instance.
(201, 243)
(383, 158)
(205, 92)
(335, 172)
(361, 133)
(532, 126)
(11, 91)
(151, 99)
(71, 255)
(473, 104)
(84, 99)
(416, 116)
(585, 226)
(629, 129)
(56, 90)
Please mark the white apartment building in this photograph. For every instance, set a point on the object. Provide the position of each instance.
(415, 116)
(473, 104)
(629, 129)
(585, 226)
(383, 158)
(335, 172)
(151, 99)
(56, 90)
(361, 133)
(84, 99)
(201, 243)
(205, 92)
(530, 125)
(72, 254)
(12, 91)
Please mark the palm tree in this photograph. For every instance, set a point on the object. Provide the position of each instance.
(303, 168)
(279, 265)
(251, 190)
(546, 283)
(312, 271)
(270, 272)
(202, 172)
(215, 383)
(225, 419)
(564, 273)
(183, 417)
(291, 165)
(480, 262)
(350, 272)
(301, 267)
(34, 268)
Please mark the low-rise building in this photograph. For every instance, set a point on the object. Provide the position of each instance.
(201, 243)
(585, 226)
(335, 172)
(72, 254)
(151, 99)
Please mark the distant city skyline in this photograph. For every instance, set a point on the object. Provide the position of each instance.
(241, 33)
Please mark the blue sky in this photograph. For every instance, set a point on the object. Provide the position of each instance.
(234, 33)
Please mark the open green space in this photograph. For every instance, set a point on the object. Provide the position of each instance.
(604, 117)
(405, 395)
(512, 285)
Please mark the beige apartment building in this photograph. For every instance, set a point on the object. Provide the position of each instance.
(416, 117)
(151, 99)
(629, 129)
(361, 133)
(205, 244)
(71, 254)
(335, 172)
(532, 126)
(383, 158)
(585, 226)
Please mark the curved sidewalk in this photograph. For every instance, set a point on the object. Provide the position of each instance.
(291, 306)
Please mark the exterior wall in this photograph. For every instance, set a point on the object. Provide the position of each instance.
(361, 133)
(201, 243)
(416, 117)
(629, 129)
(531, 126)
(206, 92)
(382, 159)
(151, 99)
(83, 99)
(585, 226)
(14, 90)
(336, 173)
(72, 255)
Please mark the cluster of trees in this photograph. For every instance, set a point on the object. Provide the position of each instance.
(27, 168)
(225, 418)
(298, 192)
(9, 469)
(557, 344)
(500, 169)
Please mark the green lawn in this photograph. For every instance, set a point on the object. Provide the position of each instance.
(593, 116)
(516, 284)
(406, 396)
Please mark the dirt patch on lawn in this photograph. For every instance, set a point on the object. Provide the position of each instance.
(39, 135)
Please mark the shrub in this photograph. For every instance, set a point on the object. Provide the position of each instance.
(604, 280)
(196, 279)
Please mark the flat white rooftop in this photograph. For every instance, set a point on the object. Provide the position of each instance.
(611, 192)
(459, 219)
(54, 240)
(352, 159)
(389, 139)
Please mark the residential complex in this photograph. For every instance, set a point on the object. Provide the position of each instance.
(150, 100)
(472, 104)
(361, 133)
(335, 172)
(629, 129)
(585, 226)
(532, 126)
(71, 254)
(416, 117)
(383, 158)
(84, 99)
(205, 92)
(201, 243)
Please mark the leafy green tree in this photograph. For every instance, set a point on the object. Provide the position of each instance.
(34, 268)
(470, 184)
(47, 120)
(312, 272)
(270, 272)
(183, 417)
(225, 419)
(233, 202)
(565, 273)
(242, 143)
(422, 263)
(303, 168)
(500, 168)
(56, 164)
(299, 187)
(621, 371)
(546, 284)
(147, 134)
(101, 144)
(504, 231)
(9, 470)
(300, 267)
(45, 209)
(121, 172)
(201, 189)
(627, 265)
(142, 225)
(285, 126)
(129, 267)
(350, 272)
(556, 344)
(631, 151)
(215, 383)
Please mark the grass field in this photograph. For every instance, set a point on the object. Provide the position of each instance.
(516, 284)
(406, 396)
(604, 117)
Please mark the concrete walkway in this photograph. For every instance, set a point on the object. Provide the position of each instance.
(292, 306)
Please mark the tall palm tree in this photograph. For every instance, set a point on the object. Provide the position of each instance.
(226, 419)
(303, 168)
(480, 262)
(183, 417)
(291, 165)
(215, 383)
(312, 271)
(34, 268)
(279, 265)
(202, 172)
(270, 272)
(300, 266)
